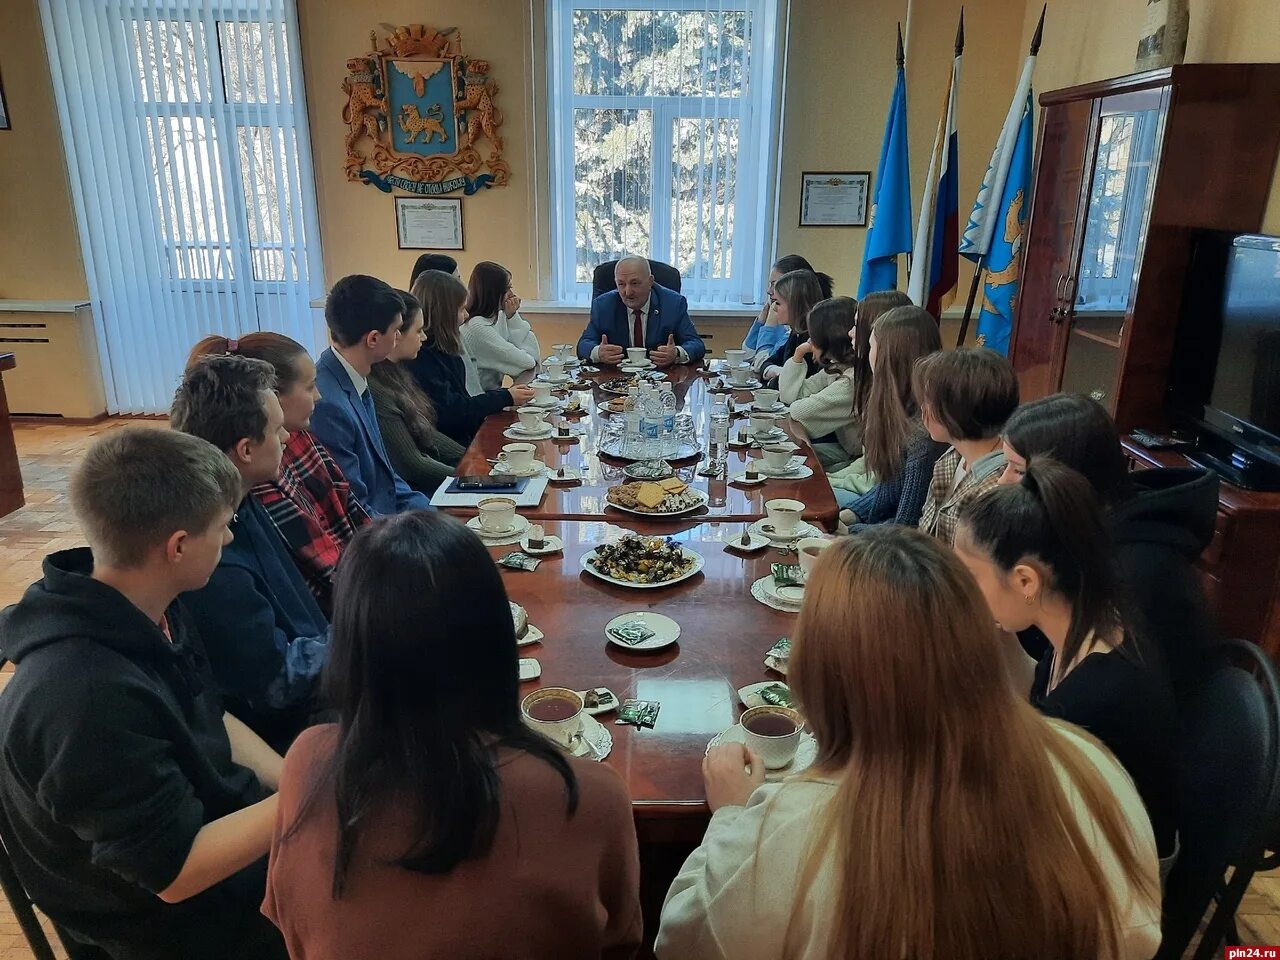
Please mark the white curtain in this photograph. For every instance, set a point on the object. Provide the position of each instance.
(185, 130)
(664, 126)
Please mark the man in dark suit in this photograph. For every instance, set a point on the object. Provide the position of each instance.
(640, 313)
(364, 316)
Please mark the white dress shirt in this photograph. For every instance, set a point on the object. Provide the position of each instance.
(358, 380)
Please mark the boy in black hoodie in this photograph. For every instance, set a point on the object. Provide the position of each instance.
(137, 814)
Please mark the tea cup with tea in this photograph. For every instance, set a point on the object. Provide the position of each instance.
(517, 456)
(809, 549)
(778, 457)
(740, 374)
(766, 399)
(532, 419)
(541, 393)
(497, 514)
(763, 424)
(555, 712)
(554, 367)
(637, 355)
(564, 351)
(772, 733)
(736, 356)
(784, 515)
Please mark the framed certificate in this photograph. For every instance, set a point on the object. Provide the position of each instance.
(834, 199)
(429, 223)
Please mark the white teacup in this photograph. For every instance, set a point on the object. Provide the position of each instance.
(497, 514)
(637, 354)
(778, 457)
(564, 351)
(532, 418)
(541, 392)
(517, 456)
(776, 734)
(555, 712)
(554, 367)
(740, 373)
(762, 423)
(766, 399)
(784, 515)
(809, 549)
(735, 357)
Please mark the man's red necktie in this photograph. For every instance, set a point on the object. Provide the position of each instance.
(637, 331)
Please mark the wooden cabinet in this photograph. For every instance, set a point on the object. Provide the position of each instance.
(1127, 170)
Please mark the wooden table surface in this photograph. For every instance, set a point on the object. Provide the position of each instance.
(586, 500)
(724, 635)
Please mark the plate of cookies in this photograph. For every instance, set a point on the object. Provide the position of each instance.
(668, 497)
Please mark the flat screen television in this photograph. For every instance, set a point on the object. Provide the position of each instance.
(1224, 383)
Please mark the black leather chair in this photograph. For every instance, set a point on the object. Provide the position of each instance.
(663, 274)
(1228, 795)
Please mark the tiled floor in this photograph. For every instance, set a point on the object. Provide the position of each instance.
(48, 451)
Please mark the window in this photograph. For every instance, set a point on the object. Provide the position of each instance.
(191, 174)
(663, 121)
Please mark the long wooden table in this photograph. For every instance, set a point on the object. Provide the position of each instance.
(585, 500)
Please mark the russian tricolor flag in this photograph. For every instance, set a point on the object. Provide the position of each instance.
(935, 271)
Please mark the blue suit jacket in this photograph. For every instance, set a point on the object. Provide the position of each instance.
(352, 436)
(668, 315)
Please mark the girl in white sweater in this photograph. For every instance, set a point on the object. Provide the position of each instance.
(943, 817)
(501, 341)
(824, 403)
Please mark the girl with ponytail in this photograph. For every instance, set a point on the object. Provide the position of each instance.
(1043, 558)
(310, 502)
(943, 817)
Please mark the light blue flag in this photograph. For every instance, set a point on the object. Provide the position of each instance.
(1003, 261)
(889, 228)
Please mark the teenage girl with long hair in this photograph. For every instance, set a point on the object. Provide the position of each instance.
(899, 451)
(944, 816)
(310, 502)
(1042, 557)
(768, 333)
(794, 295)
(429, 820)
(823, 403)
(422, 455)
(502, 341)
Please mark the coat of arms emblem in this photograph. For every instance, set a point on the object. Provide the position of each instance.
(421, 116)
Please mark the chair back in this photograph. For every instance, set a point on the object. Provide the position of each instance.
(664, 275)
(1228, 794)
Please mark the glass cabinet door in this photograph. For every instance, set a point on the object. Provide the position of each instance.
(1128, 135)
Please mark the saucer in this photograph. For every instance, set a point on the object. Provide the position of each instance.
(806, 752)
(758, 541)
(666, 631)
(778, 407)
(551, 545)
(608, 705)
(530, 669)
(795, 470)
(635, 366)
(752, 384)
(571, 475)
(535, 469)
(531, 635)
(791, 596)
(803, 529)
(546, 404)
(593, 740)
(520, 524)
(741, 479)
(517, 432)
(576, 432)
(567, 361)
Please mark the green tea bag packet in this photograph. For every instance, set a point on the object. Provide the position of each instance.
(776, 694)
(779, 655)
(519, 561)
(639, 713)
(631, 632)
(786, 574)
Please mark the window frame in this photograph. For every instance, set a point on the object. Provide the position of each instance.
(754, 206)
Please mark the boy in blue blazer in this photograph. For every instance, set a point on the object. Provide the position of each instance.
(364, 316)
(640, 313)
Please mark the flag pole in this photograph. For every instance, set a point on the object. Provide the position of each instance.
(902, 60)
(979, 266)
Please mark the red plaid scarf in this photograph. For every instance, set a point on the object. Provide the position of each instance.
(312, 507)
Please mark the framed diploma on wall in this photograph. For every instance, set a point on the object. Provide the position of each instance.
(429, 223)
(834, 199)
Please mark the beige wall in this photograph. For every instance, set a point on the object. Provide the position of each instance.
(39, 248)
(1087, 40)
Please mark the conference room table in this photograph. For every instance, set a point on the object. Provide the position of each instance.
(728, 501)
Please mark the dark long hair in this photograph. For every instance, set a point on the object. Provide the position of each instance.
(793, 261)
(1053, 519)
(441, 294)
(488, 285)
(903, 336)
(423, 674)
(1078, 432)
(801, 289)
(870, 309)
(396, 380)
(829, 324)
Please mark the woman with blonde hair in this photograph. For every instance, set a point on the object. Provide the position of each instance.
(441, 367)
(944, 817)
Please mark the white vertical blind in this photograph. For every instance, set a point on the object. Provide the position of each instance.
(185, 130)
(663, 136)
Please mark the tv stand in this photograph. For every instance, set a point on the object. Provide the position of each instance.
(1240, 569)
(1245, 479)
